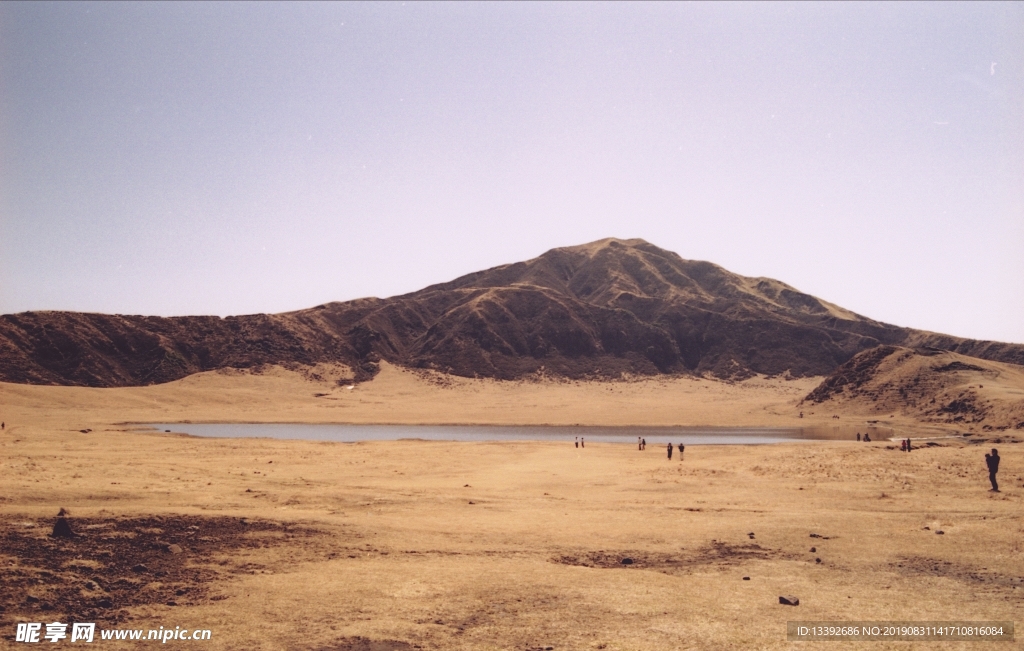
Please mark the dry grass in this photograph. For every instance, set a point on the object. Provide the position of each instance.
(513, 545)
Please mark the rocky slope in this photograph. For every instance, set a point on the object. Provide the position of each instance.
(603, 309)
(930, 385)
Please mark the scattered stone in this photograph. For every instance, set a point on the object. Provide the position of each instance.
(814, 549)
(817, 560)
(471, 502)
(746, 578)
(172, 603)
(105, 603)
(789, 600)
(814, 535)
(174, 549)
(140, 568)
(627, 561)
(61, 528)
(32, 599)
(940, 532)
(927, 528)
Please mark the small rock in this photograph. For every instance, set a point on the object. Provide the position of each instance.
(627, 561)
(61, 528)
(746, 578)
(814, 535)
(789, 600)
(817, 560)
(172, 603)
(138, 569)
(32, 599)
(46, 606)
(940, 532)
(105, 603)
(179, 592)
(927, 528)
(814, 549)
(174, 549)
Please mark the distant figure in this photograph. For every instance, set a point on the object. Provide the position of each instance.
(639, 443)
(3, 426)
(903, 445)
(867, 438)
(669, 451)
(681, 448)
(801, 414)
(908, 445)
(858, 436)
(581, 443)
(577, 441)
(643, 444)
(992, 461)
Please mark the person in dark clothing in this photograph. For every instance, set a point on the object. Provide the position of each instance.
(992, 461)
(577, 441)
(681, 448)
(669, 451)
(908, 445)
(639, 443)
(858, 436)
(582, 444)
(867, 438)
(643, 444)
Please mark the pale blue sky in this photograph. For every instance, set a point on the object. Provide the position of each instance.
(237, 158)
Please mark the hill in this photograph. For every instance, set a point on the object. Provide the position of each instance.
(601, 310)
(929, 385)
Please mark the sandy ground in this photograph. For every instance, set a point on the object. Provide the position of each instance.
(412, 544)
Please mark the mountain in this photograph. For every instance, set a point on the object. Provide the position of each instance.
(929, 384)
(602, 309)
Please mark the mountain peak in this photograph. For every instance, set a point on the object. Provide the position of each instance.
(601, 309)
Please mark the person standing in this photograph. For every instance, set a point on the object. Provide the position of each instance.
(669, 451)
(992, 461)
(643, 444)
(577, 441)
(681, 448)
(582, 443)
(639, 443)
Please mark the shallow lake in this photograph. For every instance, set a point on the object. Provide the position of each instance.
(653, 435)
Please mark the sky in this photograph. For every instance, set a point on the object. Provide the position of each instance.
(175, 158)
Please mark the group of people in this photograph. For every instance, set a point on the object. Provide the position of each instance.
(905, 445)
(681, 448)
(579, 442)
(866, 437)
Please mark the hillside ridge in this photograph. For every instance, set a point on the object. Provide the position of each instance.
(604, 309)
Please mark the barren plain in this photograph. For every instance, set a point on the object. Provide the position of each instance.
(403, 545)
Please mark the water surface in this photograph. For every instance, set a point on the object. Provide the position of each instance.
(354, 433)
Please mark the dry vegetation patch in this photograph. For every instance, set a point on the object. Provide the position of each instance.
(111, 564)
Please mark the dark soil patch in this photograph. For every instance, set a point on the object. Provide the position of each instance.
(977, 578)
(110, 564)
(717, 553)
(366, 644)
